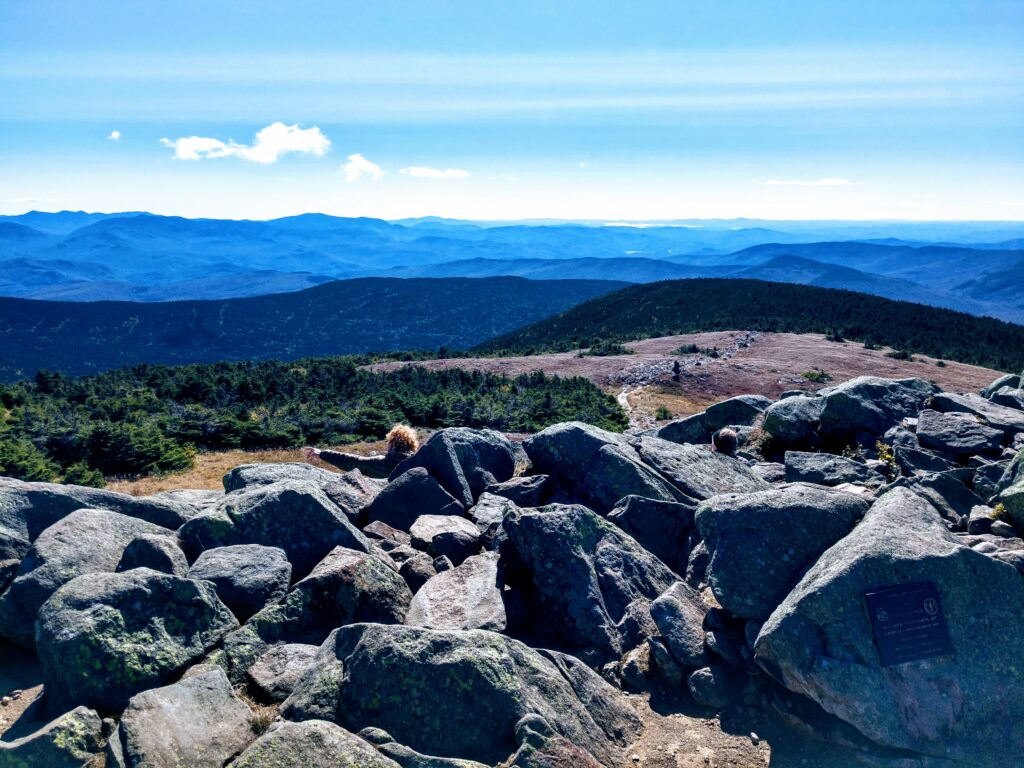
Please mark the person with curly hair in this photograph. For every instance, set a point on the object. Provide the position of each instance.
(402, 443)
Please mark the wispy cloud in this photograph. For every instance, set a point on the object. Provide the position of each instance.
(829, 181)
(114, 136)
(30, 200)
(268, 146)
(358, 167)
(424, 172)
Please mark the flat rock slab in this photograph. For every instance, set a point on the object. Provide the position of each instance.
(198, 722)
(466, 597)
(958, 434)
(311, 744)
(827, 469)
(428, 527)
(697, 471)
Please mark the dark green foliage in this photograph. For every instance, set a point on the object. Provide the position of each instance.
(151, 419)
(338, 318)
(607, 349)
(80, 474)
(899, 354)
(692, 306)
(688, 349)
(662, 413)
(22, 460)
(817, 376)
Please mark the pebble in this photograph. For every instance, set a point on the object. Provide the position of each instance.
(754, 738)
(5, 701)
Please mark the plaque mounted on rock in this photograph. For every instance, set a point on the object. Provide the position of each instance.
(908, 622)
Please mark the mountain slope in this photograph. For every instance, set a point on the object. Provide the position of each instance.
(348, 316)
(689, 306)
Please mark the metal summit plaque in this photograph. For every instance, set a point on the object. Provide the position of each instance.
(908, 622)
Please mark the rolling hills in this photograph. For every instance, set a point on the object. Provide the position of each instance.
(75, 256)
(341, 317)
(709, 304)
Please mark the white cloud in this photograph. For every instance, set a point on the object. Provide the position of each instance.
(269, 145)
(423, 172)
(28, 200)
(830, 181)
(358, 166)
(583, 164)
(114, 136)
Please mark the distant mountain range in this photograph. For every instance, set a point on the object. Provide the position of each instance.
(74, 256)
(341, 317)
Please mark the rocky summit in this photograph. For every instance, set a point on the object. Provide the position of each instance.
(854, 574)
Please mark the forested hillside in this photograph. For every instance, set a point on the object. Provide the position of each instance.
(689, 306)
(151, 419)
(342, 317)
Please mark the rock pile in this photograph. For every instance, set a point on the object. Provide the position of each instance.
(858, 563)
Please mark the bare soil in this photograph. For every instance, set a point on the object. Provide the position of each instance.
(747, 363)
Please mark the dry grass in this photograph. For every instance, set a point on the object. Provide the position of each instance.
(210, 468)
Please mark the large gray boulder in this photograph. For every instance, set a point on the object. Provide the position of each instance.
(312, 744)
(73, 740)
(580, 574)
(743, 410)
(347, 586)
(661, 527)
(297, 517)
(466, 597)
(1009, 420)
(198, 722)
(524, 491)
(157, 552)
(958, 434)
(461, 693)
(464, 461)
(793, 422)
(1010, 380)
(865, 408)
(247, 576)
(1009, 398)
(409, 495)
(679, 615)
(827, 469)
(85, 541)
(1011, 495)
(819, 642)
(351, 491)
(600, 467)
(761, 543)
(104, 637)
(28, 509)
(698, 472)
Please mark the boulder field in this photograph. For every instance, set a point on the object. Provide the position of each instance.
(856, 569)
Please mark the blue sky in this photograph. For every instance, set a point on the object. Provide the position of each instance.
(641, 110)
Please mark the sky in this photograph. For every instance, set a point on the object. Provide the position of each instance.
(804, 109)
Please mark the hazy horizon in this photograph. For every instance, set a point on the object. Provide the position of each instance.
(902, 111)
